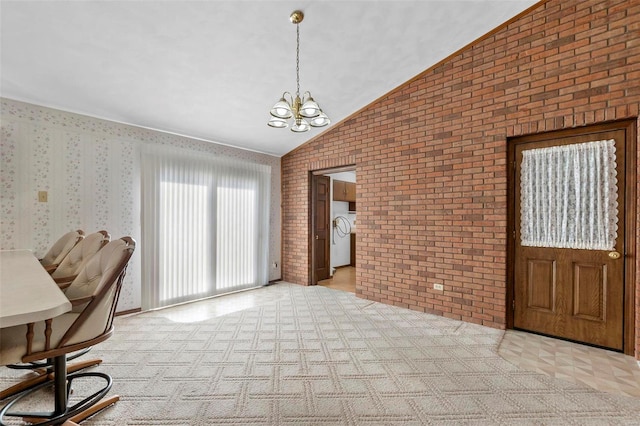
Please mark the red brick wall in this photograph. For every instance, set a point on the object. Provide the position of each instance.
(431, 155)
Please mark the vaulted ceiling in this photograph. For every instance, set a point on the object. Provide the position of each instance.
(213, 69)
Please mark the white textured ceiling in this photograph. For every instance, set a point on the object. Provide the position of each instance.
(213, 69)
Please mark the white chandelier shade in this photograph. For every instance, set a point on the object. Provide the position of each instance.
(282, 109)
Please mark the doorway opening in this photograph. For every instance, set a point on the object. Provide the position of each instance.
(333, 228)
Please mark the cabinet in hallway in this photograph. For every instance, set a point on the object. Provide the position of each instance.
(344, 191)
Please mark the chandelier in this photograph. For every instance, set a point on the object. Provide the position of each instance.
(305, 112)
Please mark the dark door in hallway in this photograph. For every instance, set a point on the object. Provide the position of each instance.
(569, 235)
(320, 206)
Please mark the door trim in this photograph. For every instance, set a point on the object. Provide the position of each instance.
(630, 127)
(310, 231)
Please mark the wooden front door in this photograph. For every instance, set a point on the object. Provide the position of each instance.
(564, 284)
(320, 206)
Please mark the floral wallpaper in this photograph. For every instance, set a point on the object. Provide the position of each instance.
(8, 175)
(90, 169)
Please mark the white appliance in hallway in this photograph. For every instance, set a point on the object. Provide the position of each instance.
(343, 225)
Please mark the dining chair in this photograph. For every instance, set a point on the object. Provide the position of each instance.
(63, 275)
(94, 296)
(79, 255)
(60, 249)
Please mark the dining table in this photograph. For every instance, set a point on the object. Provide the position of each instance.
(28, 294)
(27, 291)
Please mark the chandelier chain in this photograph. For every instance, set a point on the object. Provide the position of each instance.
(297, 60)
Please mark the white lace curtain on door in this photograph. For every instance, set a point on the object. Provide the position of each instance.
(569, 196)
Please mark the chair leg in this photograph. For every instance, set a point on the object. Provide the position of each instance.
(79, 411)
(75, 420)
(76, 366)
(80, 417)
(43, 375)
(48, 364)
(24, 385)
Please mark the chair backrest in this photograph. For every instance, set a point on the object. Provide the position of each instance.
(62, 247)
(80, 254)
(100, 281)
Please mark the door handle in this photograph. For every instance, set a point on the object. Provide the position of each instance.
(614, 255)
(317, 238)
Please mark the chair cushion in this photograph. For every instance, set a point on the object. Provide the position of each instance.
(97, 272)
(79, 255)
(60, 248)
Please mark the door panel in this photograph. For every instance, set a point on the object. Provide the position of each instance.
(577, 294)
(320, 205)
(542, 285)
(350, 191)
(339, 190)
(590, 292)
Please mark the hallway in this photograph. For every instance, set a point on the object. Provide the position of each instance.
(344, 278)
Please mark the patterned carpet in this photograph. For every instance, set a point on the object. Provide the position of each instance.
(316, 356)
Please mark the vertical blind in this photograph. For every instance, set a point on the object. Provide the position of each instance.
(205, 225)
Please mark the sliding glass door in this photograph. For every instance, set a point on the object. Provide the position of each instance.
(205, 226)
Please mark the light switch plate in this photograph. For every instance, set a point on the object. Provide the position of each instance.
(42, 196)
